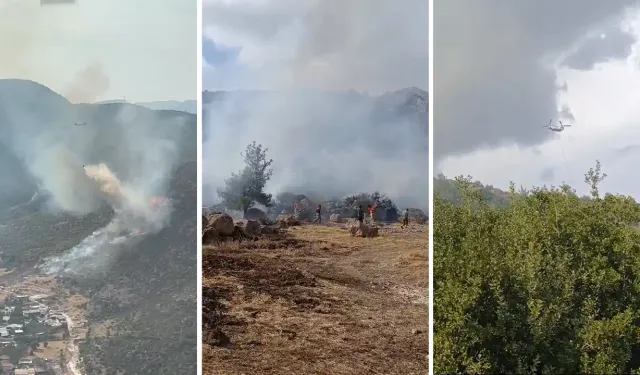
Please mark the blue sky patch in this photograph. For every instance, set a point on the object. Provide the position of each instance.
(216, 55)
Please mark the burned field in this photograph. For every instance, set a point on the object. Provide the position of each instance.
(313, 299)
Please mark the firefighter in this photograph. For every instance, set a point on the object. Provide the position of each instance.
(318, 215)
(360, 214)
(405, 219)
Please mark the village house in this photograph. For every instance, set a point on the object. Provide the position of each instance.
(14, 327)
(25, 362)
(22, 298)
(31, 313)
(7, 366)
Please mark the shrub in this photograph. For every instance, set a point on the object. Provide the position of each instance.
(548, 284)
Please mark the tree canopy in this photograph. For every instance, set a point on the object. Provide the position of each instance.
(246, 188)
(548, 284)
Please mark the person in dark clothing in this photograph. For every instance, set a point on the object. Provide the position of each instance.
(360, 214)
(405, 219)
(318, 215)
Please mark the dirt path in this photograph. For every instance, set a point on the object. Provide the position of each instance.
(317, 301)
(72, 348)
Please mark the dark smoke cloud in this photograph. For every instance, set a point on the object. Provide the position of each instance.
(491, 83)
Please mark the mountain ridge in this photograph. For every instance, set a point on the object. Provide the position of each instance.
(35, 120)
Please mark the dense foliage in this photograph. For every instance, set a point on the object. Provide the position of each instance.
(547, 284)
(246, 188)
(451, 190)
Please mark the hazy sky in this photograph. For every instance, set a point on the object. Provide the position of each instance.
(143, 50)
(330, 144)
(502, 69)
(316, 43)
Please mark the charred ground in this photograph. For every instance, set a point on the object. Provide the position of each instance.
(313, 299)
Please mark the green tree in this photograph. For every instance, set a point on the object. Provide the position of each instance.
(547, 284)
(246, 188)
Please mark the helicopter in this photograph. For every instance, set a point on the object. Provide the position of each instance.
(556, 128)
(80, 124)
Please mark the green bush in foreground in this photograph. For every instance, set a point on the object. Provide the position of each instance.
(549, 284)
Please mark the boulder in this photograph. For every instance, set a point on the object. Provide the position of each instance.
(222, 223)
(373, 231)
(358, 229)
(250, 228)
(336, 218)
(237, 234)
(255, 214)
(265, 229)
(209, 236)
(285, 221)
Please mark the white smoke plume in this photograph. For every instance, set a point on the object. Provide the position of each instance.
(136, 215)
(129, 152)
(310, 57)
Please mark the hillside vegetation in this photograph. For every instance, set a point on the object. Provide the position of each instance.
(546, 284)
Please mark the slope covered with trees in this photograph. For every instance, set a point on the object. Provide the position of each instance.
(545, 284)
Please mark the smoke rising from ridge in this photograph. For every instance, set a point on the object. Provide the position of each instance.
(325, 138)
(135, 215)
(128, 153)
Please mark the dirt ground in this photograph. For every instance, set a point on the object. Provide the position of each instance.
(315, 300)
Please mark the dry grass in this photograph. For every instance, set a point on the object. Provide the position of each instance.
(317, 301)
(52, 351)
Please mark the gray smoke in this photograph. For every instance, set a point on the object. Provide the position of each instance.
(135, 215)
(323, 137)
(494, 65)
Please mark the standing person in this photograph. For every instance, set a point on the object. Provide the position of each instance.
(372, 211)
(360, 214)
(295, 208)
(318, 215)
(405, 219)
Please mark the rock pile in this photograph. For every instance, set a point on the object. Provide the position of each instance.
(221, 227)
(358, 229)
(285, 221)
